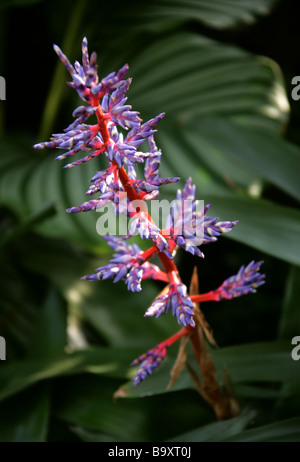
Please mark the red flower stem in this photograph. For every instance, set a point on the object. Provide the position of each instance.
(131, 192)
(181, 333)
(149, 253)
(208, 297)
(167, 263)
(102, 122)
(159, 276)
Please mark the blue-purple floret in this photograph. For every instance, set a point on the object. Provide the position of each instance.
(120, 264)
(124, 150)
(75, 139)
(176, 299)
(134, 278)
(127, 263)
(153, 181)
(119, 112)
(101, 181)
(189, 226)
(85, 76)
(148, 362)
(247, 280)
(110, 93)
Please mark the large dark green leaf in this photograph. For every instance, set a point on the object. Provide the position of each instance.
(116, 313)
(18, 375)
(225, 145)
(289, 328)
(270, 228)
(246, 363)
(231, 430)
(218, 430)
(120, 420)
(284, 431)
(290, 319)
(25, 418)
(49, 337)
(19, 308)
(219, 14)
(37, 181)
(187, 75)
(264, 225)
(258, 362)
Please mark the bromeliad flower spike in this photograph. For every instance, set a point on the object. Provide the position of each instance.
(117, 134)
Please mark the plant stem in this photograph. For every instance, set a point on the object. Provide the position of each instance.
(211, 296)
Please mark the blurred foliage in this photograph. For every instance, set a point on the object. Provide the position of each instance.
(221, 71)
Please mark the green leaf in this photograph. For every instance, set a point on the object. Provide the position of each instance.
(120, 420)
(187, 75)
(99, 412)
(116, 313)
(218, 430)
(257, 362)
(270, 228)
(91, 436)
(246, 363)
(28, 223)
(219, 14)
(237, 149)
(284, 431)
(18, 375)
(19, 307)
(224, 108)
(290, 318)
(49, 337)
(289, 328)
(37, 181)
(25, 418)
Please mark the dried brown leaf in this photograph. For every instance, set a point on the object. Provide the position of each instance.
(194, 290)
(205, 326)
(179, 362)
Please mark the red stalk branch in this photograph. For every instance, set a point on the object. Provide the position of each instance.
(167, 263)
(181, 333)
(208, 297)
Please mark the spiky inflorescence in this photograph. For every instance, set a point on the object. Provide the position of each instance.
(188, 224)
(148, 362)
(128, 263)
(247, 280)
(177, 299)
(119, 134)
